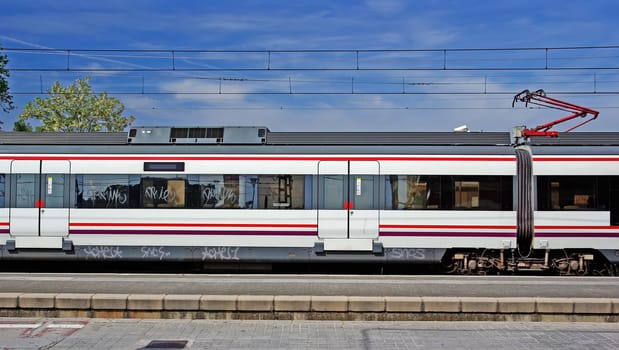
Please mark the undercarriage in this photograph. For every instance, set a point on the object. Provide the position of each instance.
(510, 261)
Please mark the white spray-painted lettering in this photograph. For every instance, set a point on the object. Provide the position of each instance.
(210, 195)
(159, 193)
(154, 252)
(113, 197)
(103, 252)
(406, 254)
(220, 253)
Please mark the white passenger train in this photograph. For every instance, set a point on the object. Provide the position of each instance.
(473, 201)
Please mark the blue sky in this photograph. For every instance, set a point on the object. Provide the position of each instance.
(435, 100)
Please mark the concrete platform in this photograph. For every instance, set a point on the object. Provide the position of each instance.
(307, 307)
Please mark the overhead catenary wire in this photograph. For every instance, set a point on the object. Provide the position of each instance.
(456, 59)
(318, 67)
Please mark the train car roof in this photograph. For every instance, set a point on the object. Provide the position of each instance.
(578, 139)
(313, 142)
(586, 143)
(476, 143)
(271, 138)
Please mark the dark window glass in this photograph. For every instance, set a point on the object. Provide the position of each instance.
(222, 191)
(54, 192)
(413, 192)
(163, 192)
(281, 191)
(2, 193)
(483, 192)
(575, 193)
(407, 192)
(613, 184)
(364, 192)
(102, 191)
(190, 191)
(26, 192)
(332, 191)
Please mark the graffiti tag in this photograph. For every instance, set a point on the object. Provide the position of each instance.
(220, 253)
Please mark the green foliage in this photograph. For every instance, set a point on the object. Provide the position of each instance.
(21, 125)
(76, 109)
(6, 100)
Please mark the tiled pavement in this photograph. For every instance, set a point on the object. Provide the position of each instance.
(95, 334)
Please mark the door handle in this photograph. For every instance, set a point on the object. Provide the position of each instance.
(351, 212)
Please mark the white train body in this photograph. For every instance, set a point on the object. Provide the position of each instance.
(301, 200)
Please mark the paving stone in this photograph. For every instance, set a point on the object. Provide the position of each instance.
(255, 303)
(555, 305)
(329, 303)
(99, 334)
(592, 306)
(145, 302)
(218, 302)
(479, 305)
(366, 304)
(73, 301)
(9, 300)
(403, 304)
(292, 303)
(36, 300)
(516, 305)
(441, 304)
(109, 301)
(181, 302)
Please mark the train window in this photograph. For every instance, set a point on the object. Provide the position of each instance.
(2, 189)
(466, 194)
(26, 190)
(481, 192)
(613, 184)
(407, 192)
(163, 192)
(222, 191)
(434, 192)
(333, 192)
(281, 191)
(102, 191)
(364, 192)
(573, 192)
(54, 190)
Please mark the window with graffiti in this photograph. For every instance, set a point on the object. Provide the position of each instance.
(102, 191)
(193, 191)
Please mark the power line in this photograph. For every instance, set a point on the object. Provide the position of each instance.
(337, 108)
(475, 59)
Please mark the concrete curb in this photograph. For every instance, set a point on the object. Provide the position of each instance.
(307, 307)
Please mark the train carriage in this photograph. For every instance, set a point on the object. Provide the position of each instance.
(244, 194)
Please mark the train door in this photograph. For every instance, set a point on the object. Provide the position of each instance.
(348, 201)
(39, 198)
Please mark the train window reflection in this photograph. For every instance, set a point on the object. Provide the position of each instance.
(102, 191)
(187, 191)
(221, 191)
(163, 192)
(412, 192)
(571, 192)
(281, 191)
(332, 191)
(26, 190)
(466, 194)
(446, 192)
(2, 189)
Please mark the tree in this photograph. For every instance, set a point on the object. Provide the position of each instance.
(75, 109)
(6, 100)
